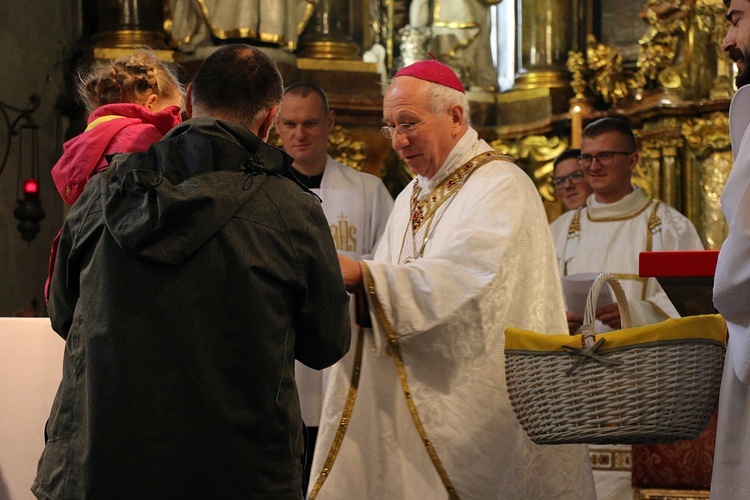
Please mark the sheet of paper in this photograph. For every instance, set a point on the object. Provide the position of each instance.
(576, 289)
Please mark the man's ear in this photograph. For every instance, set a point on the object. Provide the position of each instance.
(457, 115)
(268, 121)
(634, 161)
(457, 118)
(331, 120)
(189, 101)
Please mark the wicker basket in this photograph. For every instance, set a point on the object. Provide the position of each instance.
(652, 384)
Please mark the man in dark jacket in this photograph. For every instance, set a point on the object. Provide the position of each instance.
(188, 280)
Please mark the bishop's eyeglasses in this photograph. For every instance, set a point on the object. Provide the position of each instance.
(574, 178)
(603, 158)
(401, 128)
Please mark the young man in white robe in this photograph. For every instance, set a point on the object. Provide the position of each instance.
(616, 224)
(356, 205)
(424, 412)
(608, 233)
(732, 279)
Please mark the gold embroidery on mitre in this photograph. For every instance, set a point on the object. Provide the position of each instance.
(423, 210)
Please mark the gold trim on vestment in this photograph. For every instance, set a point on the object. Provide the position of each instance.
(423, 211)
(338, 438)
(653, 226)
(394, 350)
(575, 225)
(616, 219)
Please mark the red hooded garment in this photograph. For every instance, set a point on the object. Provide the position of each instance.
(112, 128)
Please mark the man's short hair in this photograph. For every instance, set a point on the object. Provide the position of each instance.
(566, 155)
(304, 89)
(237, 82)
(609, 124)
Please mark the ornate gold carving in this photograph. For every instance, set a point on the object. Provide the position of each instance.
(610, 458)
(668, 21)
(345, 149)
(535, 155)
(658, 172)
(705, 135)
(711, 161)
(605, 62)
(679, 57)
(576, 64)
(666, 494)
(715, 170)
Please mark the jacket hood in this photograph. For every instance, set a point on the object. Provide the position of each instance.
(164, 204)
(121, 128)
(163, 120)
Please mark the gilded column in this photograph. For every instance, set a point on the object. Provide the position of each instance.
(329, 34)
(127, 23)
(545, 36)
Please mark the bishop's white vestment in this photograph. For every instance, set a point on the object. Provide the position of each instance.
(422, 410)
(609, 237)
(732, 299)
(357, 206)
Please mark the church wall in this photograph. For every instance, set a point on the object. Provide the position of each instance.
(36, 39)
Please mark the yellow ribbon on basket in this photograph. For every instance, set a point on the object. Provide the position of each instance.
(709, 328)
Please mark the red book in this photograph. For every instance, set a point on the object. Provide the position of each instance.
(677, 264)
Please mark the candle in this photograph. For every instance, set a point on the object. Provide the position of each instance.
(576, 126)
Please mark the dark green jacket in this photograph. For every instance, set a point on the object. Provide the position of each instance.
(188, 279)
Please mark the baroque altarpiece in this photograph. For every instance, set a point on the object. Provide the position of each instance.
(657, 65)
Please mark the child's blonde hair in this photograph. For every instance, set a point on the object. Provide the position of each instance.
(128, 79)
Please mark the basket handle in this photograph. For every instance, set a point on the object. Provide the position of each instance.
(589, 314)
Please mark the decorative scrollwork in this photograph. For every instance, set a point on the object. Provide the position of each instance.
(706, 135)
(535, 154)
(605, 62)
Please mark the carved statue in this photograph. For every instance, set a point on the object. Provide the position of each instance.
(414, 42)
(194, 23)
(461, 37)
(669, 21)
(605, 62)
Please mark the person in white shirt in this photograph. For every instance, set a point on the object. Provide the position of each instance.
(617, 223)
(569, 180)
(732, 279)
(356, 204)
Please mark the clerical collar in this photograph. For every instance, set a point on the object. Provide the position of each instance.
(462, 148)
(629, 205)
(310, 181)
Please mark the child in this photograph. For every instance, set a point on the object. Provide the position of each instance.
(133, 101)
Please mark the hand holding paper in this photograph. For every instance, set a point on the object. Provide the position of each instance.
(576, 289)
